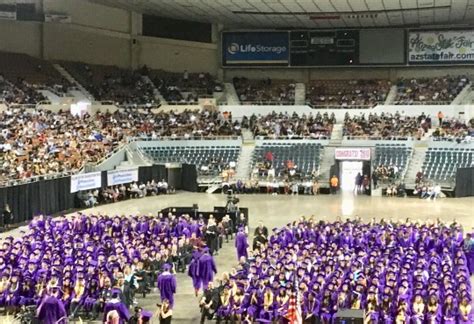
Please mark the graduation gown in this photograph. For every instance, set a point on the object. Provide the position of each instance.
(120, 308)
(51, 311)
(167, 286)
(207, 269)
(241, 244)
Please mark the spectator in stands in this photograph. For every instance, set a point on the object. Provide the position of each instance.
(385, 126)
(429, 90)
(347, 93)
(454, 130)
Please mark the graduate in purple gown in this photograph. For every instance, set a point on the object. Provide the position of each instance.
(51, 309)
(206, 268)
(167, 284)
(241, 244)
(115, 307)
(193, 271)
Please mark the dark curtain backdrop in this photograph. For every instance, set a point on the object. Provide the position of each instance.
(148, 173)
(174, 178)
(464, 182)
(42, 197)
(53, 196)
(189, 178)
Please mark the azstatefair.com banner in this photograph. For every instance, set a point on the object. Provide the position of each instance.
(441, 46)
(86, 181)
(117, 177)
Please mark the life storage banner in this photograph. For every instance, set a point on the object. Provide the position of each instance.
(255, 48)
(441, 47)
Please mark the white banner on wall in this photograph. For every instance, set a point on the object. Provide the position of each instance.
(8, 15)
(353, 154)
(441, 46)
(86, 181)
(117, 177)
(64, 19)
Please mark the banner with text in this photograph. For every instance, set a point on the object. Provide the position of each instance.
(86, 181)
(255, 48)
(117, 177)
(441, 46)
(353, 154)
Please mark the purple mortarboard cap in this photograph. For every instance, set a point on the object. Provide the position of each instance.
(146, 315)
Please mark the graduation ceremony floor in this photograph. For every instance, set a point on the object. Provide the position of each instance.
(276, 211)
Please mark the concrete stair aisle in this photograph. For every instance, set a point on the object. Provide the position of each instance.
(156, 92)
(71, 79)
(415, 164)
(52, 97)
(336, 134)
(392, 94)
(245, 159)
(327, 161)
(230, 94)
(300, 94)
(462, 96)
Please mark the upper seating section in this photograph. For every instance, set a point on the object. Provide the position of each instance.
(110, 83)
(385, 126)
(347, 93)
(441, 164)
(265, 91)
(433, 91)
(22, 75)
(184, 88)
(285, 126)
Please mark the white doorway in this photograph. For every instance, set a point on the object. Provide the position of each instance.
(349, 171)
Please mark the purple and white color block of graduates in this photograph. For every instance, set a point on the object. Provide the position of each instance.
(407, 272)
(92, 264)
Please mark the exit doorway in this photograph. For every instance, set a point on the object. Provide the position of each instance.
(349, 171)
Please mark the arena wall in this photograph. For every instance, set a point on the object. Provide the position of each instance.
(21, 37)
(85, 13)
(70, 42)
(177, 56)
(374, 72)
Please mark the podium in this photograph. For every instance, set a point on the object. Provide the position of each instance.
(349, 316)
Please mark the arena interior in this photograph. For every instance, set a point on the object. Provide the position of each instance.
(236, 161)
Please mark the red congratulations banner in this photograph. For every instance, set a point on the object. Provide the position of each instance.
(353, 154)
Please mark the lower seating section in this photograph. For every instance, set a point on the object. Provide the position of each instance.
(441, 163)
(305, 157)
(209, 160)
(392, 155)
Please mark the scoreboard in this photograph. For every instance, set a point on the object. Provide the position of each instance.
(324, 48)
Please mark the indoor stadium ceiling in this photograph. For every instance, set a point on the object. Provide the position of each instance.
(308, 13)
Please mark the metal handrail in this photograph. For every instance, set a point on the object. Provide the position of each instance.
(181, 138)
(379, 138)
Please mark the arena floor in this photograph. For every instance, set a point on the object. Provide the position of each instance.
(277, 211)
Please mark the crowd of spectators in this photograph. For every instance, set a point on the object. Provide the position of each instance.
(427, 190)
(42, 143)
(429, 90)
(286, 126)
(454, 130)
(19, 92)
(121, 192)
(387, 172)
(265, 91)
(110, 83)
(386, 126)
(347, 93)
(397, 272)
